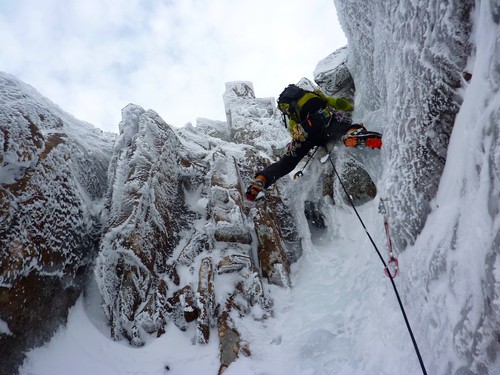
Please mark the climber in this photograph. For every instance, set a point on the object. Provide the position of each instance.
(314, 119)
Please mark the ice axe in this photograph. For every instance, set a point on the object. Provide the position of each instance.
(301, 172)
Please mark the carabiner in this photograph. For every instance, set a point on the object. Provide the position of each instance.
(395, 267)
(297, 175)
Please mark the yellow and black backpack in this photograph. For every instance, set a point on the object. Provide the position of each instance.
(298, 104)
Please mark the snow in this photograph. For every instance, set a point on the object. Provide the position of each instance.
(83, 349)
(341, 315)
(286, 344)
(4, 328)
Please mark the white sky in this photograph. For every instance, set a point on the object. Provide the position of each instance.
(93, 57)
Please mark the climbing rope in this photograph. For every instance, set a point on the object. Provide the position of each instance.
(385, 268)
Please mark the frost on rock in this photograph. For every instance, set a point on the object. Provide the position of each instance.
(146, 214)
(233, 254)
(357, 181)
(333, 76)
(179, 244)
(407, 73)
(409, 62)
(272, 255)
(52, 172)
(213, 128)
(250, 119)
(205, 302)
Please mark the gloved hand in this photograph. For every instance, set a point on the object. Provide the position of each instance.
(255, 187)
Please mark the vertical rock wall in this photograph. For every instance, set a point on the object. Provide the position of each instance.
(50, 180)
(414, 106)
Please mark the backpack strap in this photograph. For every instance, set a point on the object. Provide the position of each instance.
(294, 111)
(284, 119)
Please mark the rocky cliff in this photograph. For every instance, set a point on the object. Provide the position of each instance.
(179, 245)
(159, 210)
(53, 177)
(414, 106)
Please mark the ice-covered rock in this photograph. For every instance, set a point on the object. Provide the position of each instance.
(146, 213)
(415, 106)
(333, 76)
(52, 180)
(250, 119)
(179, 244)
(213, 128)
(407, 59)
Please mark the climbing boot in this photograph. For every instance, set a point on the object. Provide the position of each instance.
(361, 137)
(255, 188)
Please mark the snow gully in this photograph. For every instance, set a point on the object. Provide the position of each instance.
(386, 268)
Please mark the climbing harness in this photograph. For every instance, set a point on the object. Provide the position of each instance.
(417, 351)
(393, 261)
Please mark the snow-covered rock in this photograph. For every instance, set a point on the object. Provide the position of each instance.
(333, 76)
(146, 214)
(251, 119)
(409, 59)
(426, 74)
(340, 315)
(52, 180)
(179, 246)
(214, 128)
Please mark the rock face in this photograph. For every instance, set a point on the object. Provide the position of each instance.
(250, 119)
(333, 75)
(179, 245)
(51, 178)
(357, 182)
(164, 207)
(415, 115)
(146, 215)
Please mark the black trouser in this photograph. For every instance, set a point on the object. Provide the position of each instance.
(320, 131)
(331, 129)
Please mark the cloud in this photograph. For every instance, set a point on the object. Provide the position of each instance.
(94, 57)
